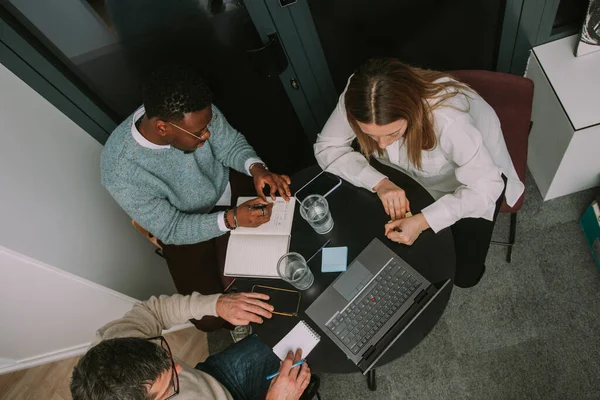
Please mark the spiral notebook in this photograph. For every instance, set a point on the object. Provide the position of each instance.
(301, 337)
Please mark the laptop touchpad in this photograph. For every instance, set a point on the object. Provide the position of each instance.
(352, 281)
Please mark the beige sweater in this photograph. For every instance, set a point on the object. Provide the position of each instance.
(149, 318)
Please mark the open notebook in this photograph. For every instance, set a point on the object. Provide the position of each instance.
(254, 252)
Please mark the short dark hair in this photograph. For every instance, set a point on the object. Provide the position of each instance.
(170, 91)
(122, 368)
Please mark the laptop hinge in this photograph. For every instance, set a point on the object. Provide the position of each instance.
(421, 296)
(369, 353)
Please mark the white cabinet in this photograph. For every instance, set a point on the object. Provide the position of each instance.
(564, 145)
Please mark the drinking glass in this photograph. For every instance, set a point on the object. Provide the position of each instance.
(315, 210)
(292, 268)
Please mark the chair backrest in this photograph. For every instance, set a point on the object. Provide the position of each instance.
(146, 234)
(227, 281)
(511, 97)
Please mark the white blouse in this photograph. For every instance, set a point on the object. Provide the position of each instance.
(463, 171)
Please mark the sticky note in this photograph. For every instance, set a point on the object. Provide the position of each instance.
(335, 259)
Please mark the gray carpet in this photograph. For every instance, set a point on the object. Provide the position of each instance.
(529, 330)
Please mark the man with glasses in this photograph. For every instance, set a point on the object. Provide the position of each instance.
(131, 361)
(171, 162)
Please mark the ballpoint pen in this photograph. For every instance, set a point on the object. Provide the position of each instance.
(257, 206)
(277, 373)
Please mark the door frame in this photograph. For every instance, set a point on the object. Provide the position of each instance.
(34, 63)
(527, 23)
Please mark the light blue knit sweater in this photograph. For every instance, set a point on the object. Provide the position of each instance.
(168, 192)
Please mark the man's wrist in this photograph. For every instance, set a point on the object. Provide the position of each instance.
(257, 167)
(218, 304)
(229, 219)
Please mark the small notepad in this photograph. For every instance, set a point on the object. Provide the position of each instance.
(334, 259)
(301, 337)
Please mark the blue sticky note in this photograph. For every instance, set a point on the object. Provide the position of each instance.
(335, 259)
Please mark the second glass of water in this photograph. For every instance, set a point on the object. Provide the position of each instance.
(292, 268)
(315, 210)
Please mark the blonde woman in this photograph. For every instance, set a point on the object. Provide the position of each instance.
(439, 132)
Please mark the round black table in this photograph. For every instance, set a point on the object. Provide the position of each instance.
(359, 217)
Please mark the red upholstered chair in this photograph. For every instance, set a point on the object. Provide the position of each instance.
(511, 97)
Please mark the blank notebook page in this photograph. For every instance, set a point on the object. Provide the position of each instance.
(301, 337)
(255, 255)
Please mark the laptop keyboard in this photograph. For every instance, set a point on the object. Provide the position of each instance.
(368, 312)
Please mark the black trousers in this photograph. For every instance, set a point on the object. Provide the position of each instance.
(199, 267)
(472, 237)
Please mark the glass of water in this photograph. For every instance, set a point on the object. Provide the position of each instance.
(315, 210)
(292, 268)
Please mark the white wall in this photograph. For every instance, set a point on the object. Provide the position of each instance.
(58, 20)
(57, 226)
(52, 205)
(47, 314)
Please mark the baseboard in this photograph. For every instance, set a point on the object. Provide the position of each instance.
(45, 358)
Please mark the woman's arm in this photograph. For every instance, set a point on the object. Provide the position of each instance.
(335, 154)
(481, 179)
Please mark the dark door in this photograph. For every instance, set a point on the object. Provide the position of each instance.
(437, 34)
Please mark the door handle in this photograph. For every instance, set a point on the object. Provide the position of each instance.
(268, 60)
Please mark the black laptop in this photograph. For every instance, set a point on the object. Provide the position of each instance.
(369, 307)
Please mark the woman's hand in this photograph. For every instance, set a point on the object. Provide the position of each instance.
(393, 198)
(406, 230)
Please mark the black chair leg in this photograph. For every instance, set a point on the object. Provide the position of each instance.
(371, 380)
(512, 236)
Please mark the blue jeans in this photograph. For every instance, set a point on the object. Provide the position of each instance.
(243, 368)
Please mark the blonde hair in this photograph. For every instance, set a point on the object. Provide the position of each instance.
(383, 91)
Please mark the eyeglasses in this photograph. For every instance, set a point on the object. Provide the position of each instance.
(202, 132)
(174, 376)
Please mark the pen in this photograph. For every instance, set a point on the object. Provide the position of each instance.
(277, 373)
(257, 206)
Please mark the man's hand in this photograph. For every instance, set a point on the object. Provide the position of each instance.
(277, 183)
(252, 217)
(243, 308)
(291, 382)
(393, 198)
(406, 230)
